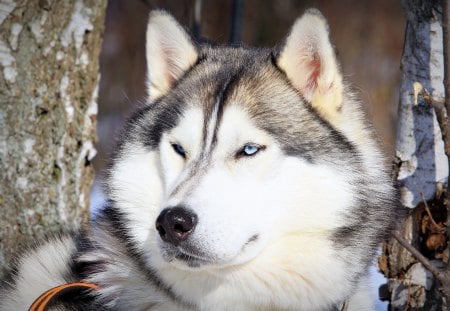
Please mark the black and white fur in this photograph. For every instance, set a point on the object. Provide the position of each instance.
(250, 181)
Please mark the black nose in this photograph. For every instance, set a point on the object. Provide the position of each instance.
(175, 224)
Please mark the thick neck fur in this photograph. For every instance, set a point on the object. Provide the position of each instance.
(262, 284)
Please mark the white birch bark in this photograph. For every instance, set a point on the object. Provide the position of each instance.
(421, 163)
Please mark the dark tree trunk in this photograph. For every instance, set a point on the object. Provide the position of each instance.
(49, 73)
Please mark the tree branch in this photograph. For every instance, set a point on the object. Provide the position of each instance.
(236, 22)
(442, 276)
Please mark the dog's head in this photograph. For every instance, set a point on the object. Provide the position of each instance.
(236, 150)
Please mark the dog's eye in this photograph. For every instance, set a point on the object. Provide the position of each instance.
(179, 149)
(249, 150)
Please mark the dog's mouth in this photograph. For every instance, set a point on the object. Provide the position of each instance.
(191, 258)
(192, 261)
(194, 258)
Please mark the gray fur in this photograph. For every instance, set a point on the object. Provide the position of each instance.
(111, 257)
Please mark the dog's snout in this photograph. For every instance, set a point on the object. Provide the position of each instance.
(175, 224)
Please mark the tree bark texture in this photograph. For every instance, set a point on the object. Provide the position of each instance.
(49, 73)
(421, 165)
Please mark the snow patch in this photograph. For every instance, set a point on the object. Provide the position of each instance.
(66, 98)
(83, 60)
(441, 161)
(409, 166)
(42, 90)
(16, 29)
(59, 56)
(407, 197)
(10, 74)
(22, 183)
(3, 146)
(418, 275)
(3, 135)
(6, 7)
(87, 152)
(28, 145)
(78, 25)
(49, 48)
(60, 156)
(92, 109)
(30, 214)
(97, 198)
(7, 61)
(36, 27)
(81, 199)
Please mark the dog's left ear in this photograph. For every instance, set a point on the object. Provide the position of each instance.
(309, 61)
(170, 53)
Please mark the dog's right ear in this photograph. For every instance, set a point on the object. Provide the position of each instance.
(309, 61)
(169, 52)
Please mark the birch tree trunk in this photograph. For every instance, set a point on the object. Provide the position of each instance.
(421, 164)
(49, 74)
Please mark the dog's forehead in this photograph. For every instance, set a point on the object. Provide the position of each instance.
(246, 77)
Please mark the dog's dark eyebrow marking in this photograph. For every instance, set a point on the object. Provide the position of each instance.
(212, 113)
(223, 95)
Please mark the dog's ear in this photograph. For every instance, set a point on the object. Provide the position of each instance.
(169, 52)
(309, 61)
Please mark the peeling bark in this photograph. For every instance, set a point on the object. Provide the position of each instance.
(48, 89)
(421, 165)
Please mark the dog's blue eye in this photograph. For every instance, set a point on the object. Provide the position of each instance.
(250, 150)
(180, 150)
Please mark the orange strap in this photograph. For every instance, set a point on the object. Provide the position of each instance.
(41, 303)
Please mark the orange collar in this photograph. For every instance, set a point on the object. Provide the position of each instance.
(42, 302)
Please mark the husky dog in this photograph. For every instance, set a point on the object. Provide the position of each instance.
(250, 181)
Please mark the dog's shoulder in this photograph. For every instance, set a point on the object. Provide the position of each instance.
(47, 265)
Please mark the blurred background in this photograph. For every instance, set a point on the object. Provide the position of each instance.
(368, 36)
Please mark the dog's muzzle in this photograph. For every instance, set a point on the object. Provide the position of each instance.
(176, 224)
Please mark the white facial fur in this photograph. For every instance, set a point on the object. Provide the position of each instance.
(188, 134)
(235, 199)
(225, 194)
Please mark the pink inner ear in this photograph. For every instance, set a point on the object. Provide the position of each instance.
(170, 65)
(314, 67)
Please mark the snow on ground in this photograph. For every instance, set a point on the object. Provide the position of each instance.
(98, 198)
